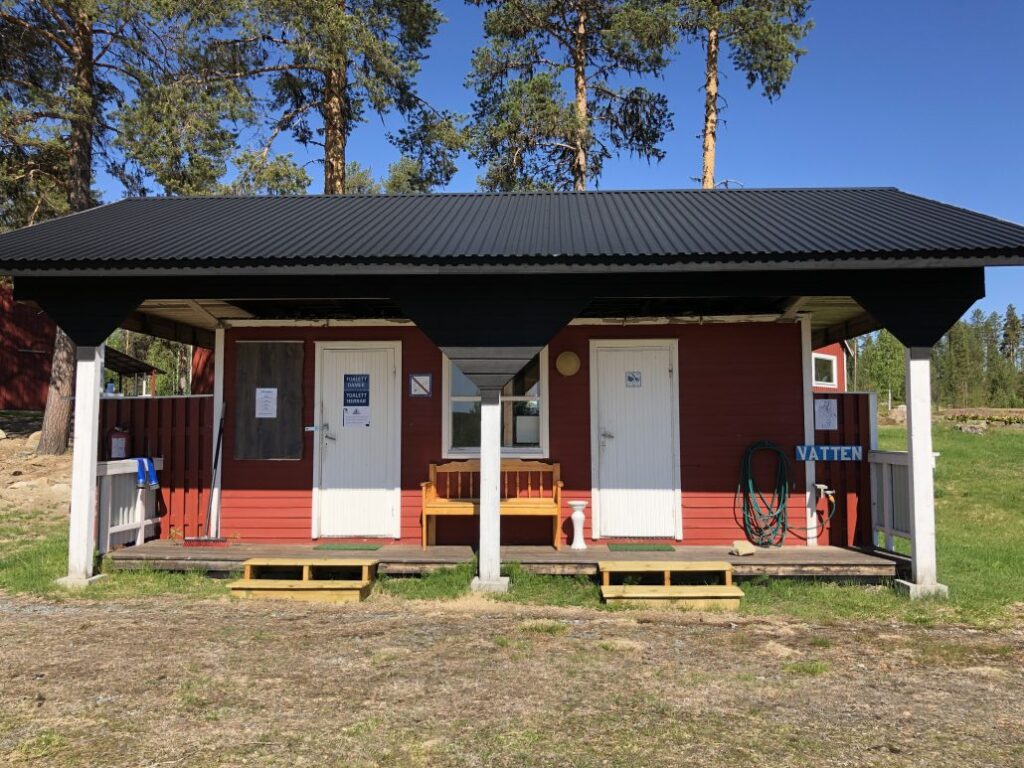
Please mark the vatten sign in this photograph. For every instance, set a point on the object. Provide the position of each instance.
(829, 453)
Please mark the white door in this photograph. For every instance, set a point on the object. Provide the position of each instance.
(635, 439)
(356, 489)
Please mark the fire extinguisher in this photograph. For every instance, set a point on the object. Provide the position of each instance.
(117, 442)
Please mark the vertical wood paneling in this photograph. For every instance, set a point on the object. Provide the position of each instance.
(176, 429)
(851, 525)
(737, 384)
(26, 349)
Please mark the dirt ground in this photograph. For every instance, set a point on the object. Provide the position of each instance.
(34, 490)
(167, 682)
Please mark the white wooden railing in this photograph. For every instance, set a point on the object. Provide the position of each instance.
(890, 498)
(126, 513)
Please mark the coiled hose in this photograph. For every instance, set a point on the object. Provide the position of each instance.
(765, 519)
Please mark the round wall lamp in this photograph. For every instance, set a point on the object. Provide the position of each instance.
(568, 363)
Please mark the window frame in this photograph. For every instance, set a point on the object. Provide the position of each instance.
(448, 452)
(834, 384)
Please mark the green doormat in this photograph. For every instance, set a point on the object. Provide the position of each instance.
(641, 548)
(349, 547)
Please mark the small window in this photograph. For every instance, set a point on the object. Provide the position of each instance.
(825, 370)
(523, 417)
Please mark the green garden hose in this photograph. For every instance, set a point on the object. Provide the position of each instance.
(765, 519)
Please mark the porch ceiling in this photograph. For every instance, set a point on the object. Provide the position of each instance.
(833, 318)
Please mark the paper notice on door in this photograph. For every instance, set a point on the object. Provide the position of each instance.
(266, 402)
(355, 411)
(826, 414)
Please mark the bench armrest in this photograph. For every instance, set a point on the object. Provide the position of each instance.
(428, 490)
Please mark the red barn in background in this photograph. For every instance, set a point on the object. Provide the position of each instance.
(829, 367)
(26, 349)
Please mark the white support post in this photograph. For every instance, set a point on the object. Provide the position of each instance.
(82, 526)
(218, 408)
(920, 475)
(489, 578)
(810, 478)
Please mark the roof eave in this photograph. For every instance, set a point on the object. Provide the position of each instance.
(360, 267)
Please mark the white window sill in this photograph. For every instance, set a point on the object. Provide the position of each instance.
(505, 454)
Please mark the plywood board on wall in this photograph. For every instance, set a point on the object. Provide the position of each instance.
(268, 400)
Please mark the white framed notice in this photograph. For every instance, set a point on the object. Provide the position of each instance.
(266, 402)
(826, 414)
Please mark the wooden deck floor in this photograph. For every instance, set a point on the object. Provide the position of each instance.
(825, 562)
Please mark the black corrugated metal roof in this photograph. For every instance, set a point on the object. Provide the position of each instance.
(697, 228)
(119, 362)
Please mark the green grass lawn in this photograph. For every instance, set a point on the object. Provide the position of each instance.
(980, 518)
(979, 498)
(33, 569)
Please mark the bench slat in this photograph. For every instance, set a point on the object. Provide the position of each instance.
(532, 504)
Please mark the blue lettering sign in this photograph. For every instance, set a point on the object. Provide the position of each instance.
(357, 389)
(829, 453)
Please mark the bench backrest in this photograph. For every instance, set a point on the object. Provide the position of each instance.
(520, 479)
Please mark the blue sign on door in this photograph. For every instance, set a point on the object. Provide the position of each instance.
(357, 389)
(355, 410)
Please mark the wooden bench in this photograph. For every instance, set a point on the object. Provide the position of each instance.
(528, 488)
(698, 596)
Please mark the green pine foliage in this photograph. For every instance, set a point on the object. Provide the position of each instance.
(762, 36)
(551, 104)
(330, 66)
(978, 363)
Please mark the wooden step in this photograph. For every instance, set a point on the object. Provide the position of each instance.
(722, 596)
(664, 567)
(657, 566)
(321, 579)
(337, 591)
(310, 568)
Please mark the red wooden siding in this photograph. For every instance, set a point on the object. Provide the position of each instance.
(838, 351)
(179, 430)
(26, 349)
(272, 500)
(738, 383)
(851, 480)
(202, 371)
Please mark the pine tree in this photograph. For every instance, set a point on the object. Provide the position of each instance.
(85, 83)
(762, 38)
(528, 132)
(882, 365)
(963, 383)
(1012, 344)
(330, 64)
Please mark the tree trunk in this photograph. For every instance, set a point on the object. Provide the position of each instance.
(707, 179)
(56, 430)
(582, 138)
(335, 114)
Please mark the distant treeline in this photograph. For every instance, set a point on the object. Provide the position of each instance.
(979, 363)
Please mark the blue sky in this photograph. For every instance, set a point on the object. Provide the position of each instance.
(924, 95)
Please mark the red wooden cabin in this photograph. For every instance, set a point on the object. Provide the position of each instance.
(643, 341)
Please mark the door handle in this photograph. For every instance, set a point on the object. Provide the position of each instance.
(327, 432)
(606, 434)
